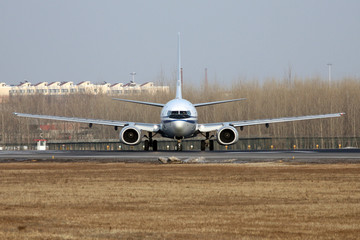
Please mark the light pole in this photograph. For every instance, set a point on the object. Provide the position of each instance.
(133, 76)
(329, 65)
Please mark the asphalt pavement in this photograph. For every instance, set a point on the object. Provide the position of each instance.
(304, 156)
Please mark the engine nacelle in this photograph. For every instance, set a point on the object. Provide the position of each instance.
(227, 135)
(130, 135)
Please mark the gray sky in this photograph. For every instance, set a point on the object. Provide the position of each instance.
(77, 40)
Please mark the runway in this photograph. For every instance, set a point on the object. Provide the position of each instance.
(305, 156)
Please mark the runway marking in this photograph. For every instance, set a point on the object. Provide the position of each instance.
(271, 152)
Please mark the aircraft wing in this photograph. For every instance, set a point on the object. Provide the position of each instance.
(150, 127)
(207, 127)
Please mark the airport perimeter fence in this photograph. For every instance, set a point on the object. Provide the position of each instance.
(194, 144)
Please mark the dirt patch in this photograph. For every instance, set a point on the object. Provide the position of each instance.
(185, 201)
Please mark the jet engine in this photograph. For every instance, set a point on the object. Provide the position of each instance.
(130, 135)
(227, 135)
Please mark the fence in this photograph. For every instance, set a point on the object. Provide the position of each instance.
(194, 144)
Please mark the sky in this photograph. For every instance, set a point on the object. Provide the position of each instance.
(97, 41)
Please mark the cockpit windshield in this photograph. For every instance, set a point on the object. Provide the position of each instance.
(179, 114)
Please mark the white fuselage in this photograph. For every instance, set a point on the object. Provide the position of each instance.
(178, 119)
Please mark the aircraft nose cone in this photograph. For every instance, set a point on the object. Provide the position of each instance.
(179, 128)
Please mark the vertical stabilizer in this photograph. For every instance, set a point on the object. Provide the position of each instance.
(178, 81)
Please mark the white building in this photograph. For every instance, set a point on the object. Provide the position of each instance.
(4, 91)
(86, 87)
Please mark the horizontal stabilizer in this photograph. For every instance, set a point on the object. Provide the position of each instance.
(140, 102)
(217, 102)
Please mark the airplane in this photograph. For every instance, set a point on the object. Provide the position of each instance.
(179, 120)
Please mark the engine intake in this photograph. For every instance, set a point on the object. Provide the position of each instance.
(227, 135)
(130, 136)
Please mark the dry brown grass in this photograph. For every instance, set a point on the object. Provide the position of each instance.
(145, 201)
(268, 99)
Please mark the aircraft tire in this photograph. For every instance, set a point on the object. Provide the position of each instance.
(146, 145)
(154, 145)
(203, 145)
(211, 145)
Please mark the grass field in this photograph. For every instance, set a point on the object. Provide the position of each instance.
(186, 201)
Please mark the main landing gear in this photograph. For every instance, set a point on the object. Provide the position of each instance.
(150, 143)
(207, 143)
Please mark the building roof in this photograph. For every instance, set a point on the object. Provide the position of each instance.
(83, 82)
(53, 83)
(64, 83)
(144, 84)
(40, 84)
(26, 83)
(116, 84)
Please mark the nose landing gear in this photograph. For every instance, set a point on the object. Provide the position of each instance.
(179, 145)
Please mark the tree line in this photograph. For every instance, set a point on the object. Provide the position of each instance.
(268, 99)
